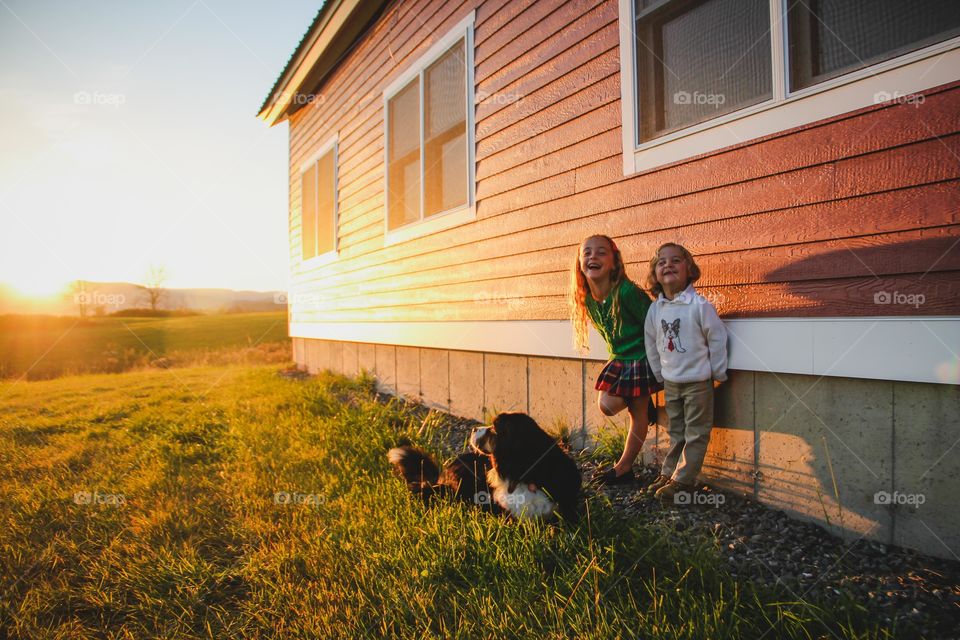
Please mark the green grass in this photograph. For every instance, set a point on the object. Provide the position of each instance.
(43, 347)
(200, 548)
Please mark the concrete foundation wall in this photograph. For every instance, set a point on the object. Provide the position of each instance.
(862, 458)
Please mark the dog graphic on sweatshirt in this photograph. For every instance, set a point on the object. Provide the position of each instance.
(672, 333)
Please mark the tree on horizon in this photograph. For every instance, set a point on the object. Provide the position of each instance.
(154, 285)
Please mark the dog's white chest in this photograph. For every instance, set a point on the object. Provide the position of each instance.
(521, 502)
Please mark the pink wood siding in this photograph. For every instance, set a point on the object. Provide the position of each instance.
(810, 223)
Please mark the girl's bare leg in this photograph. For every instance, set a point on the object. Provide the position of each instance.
(635, 436)
(610, 405)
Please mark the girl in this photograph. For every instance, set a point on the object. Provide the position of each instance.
(687, 346)
(602, 293)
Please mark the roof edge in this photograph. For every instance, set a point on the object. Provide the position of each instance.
(338, 25)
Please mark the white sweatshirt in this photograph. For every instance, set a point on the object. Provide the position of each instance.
(685, 339)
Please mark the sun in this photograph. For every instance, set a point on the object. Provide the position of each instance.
(37, 285)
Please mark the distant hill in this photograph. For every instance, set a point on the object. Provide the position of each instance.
(116, 296)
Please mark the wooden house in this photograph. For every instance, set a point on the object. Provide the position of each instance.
(447, 158)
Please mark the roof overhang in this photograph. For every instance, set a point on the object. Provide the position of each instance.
(337, 27)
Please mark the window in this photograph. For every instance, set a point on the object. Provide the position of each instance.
(830, 37)
(429, 139)
(705, 74)
(318, 200)
(706, 60)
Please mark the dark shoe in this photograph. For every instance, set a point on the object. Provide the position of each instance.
(610, 478)
(676, 492)
(656, 484)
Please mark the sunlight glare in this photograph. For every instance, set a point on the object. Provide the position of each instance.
(37, 285)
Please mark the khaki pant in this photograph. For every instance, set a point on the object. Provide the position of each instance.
(690, 410)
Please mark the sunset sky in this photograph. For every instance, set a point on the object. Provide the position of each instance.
(128, 137)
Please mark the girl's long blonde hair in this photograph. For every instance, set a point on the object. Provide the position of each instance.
(579, 290)
(692, 269)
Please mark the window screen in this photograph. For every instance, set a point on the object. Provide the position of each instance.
(308, 209)
(318, 194)
(830, 37)
(700, 60)
(326, 203)
(445, 138)
(403, 181)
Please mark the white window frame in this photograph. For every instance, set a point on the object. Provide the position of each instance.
(329, 256)
(465, 213)
(896, 78)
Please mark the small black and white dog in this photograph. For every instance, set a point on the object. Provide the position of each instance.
(517, 469)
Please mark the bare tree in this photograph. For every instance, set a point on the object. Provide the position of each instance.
(78, 288)
(153, 285)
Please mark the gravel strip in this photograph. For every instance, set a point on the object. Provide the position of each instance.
(761, 544)
(766, 546)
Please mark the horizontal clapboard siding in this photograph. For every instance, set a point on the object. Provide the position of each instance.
(812, 222)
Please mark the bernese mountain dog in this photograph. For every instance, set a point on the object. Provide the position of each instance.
(517, 469)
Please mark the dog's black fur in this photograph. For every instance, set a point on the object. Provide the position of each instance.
(516, 449)
(464, 478)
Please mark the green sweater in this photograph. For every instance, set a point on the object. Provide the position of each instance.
(634, 303)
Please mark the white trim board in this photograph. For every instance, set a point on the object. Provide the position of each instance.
(917, 349)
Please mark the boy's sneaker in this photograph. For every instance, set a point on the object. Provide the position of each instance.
(610, 478)
(677, 492)
(656, 484)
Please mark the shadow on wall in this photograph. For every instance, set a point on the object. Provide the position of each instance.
(863, 458)
(917, 277)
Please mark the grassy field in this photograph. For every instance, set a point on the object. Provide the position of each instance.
(146, 505)
(43, 347)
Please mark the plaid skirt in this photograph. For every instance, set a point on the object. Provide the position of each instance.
(628, 379)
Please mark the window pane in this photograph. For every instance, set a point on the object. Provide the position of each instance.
(405, 120)
(703, 62)
(446, 81)
(445, 153)
(326, 203)
(308, 212)
(832, 37)
(403, 177)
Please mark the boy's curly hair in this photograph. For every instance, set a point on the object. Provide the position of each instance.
(655, 288)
